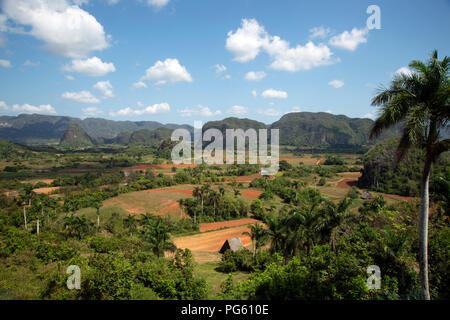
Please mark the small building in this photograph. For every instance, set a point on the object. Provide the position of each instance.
(367, 196)
(233, 244)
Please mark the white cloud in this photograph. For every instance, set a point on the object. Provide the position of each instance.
(219, 68)
(369, 115)
(350, 40)
(255, 76)
(81, 97)
(27, 108)
(248, 41)
(329, 111)
(154, 109)
(5, 63)
(112, 2)
(319, 32)
(300, 57)
(167, 71)
(69, 77)
(29, 63)
(92, 111)
(238, 110)
(271, 112)
(336, 83)
(198, 111)
(157, 3)
(403, 71)
(139, 85)
(66, 29)
(294, 109)
(92, 67)
(105, 89)
(274, 94)
(254, 93)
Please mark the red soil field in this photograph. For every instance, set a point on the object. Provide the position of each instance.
(165, 190)
(251, 193)
(45, 190)
(225, 224)
(212, 241)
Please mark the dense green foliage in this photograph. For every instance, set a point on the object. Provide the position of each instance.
(382, 173)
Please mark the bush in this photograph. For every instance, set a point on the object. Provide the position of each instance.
(241, 260)
(104, 245)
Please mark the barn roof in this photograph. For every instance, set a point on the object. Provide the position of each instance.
(233, 244)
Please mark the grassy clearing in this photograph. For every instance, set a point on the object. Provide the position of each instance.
(215, 278)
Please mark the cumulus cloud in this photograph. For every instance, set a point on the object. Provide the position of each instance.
(66, 29)
(350, 40)
(104, 88)
(247, 41)
(27, 108)
(81, 97)
(220, 68)
(153, 109)
(271, 112)
(274, 94)
(251, 38)
(198, 111)
(319, 32)
(92, 112)
(29, 63)
(336, 83)
(403, 71)
(370, 115)
(139, 85)
(238, 110)
(92, 67)
(69, 77)
(5, 63)
(254, 93)
(157, 3)
(294, 109)
(167, 71)
(255, 76)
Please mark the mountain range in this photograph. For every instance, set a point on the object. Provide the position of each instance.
(297, 129)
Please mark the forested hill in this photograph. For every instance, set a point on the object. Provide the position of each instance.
(299, 129)
(74, 136)
(43, 129)
(308, 128)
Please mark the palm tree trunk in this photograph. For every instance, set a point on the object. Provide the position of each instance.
(423, 229)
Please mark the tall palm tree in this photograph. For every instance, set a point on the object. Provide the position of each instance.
(259, 236)
(130, 223)
(156, 233)
(420, 102)
(180, 203)
(277, 232)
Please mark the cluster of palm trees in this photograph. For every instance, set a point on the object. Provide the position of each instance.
(212, 203)
(300, 229)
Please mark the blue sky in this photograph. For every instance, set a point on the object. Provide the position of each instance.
(176, 61)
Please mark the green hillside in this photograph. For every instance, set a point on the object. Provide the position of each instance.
(75, 137)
